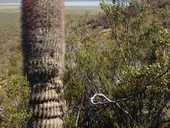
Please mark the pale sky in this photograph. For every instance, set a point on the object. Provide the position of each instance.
(67, 2)
(18, 1)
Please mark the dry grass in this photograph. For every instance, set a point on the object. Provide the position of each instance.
(80, 10)
(9, 9)
(10, 37)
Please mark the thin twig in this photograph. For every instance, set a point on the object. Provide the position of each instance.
(78, 115)
(116, 102)
(108, 101)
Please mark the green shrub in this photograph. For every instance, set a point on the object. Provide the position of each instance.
(14, 94)
(133, 61)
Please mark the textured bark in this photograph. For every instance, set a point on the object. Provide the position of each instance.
(43, 50)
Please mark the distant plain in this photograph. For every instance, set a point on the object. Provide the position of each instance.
(69, 9)
(10, 32)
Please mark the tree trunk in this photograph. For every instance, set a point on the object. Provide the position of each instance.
(43, 50)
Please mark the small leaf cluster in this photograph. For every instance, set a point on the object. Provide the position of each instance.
(131, 58)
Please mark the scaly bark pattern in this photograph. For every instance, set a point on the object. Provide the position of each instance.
(43, 50)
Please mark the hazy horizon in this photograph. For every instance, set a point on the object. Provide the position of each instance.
(92, 3)
(67, 2)
(18, 1)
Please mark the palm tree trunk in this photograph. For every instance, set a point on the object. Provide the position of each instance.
(43, 50)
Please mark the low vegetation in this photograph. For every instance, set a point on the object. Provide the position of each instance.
(122, 53)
